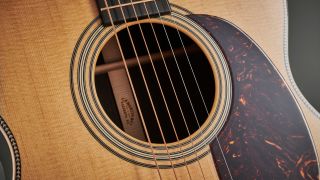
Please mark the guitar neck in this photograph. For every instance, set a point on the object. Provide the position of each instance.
(120, 11)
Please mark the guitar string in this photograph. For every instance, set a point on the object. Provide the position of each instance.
(133, 90)
(176, 26)
(179, 105)
(175, 58)
(158, 81)
(198, 87)
(180, 74)
(148, 91)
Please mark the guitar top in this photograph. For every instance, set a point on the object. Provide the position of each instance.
(151, 89)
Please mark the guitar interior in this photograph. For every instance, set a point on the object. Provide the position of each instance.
(178, 73)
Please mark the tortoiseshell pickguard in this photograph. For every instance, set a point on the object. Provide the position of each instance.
(265, 136)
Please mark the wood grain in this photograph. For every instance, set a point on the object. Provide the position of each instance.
(37, 41)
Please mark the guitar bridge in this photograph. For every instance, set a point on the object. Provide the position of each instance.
(132, 10)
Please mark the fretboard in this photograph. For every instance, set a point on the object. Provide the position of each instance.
(132, 10)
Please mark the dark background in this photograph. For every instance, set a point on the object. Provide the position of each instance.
(304, 47)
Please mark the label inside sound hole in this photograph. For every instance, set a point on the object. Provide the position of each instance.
(106, 111)
(173, 89)
(128, 111)
(124, 99)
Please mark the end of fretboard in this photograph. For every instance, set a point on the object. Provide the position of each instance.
(132, 10)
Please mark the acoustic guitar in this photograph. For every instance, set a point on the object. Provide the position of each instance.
(151, 89)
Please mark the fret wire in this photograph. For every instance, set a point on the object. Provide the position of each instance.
(124, 4)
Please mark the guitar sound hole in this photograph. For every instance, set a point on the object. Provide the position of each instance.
(117, 98)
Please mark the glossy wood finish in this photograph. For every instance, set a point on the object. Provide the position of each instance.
(265, 136)
(37, 41)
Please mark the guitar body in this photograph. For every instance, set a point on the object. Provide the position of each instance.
(261, 129)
